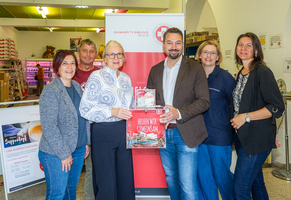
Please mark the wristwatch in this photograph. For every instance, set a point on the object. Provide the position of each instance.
(248, 119)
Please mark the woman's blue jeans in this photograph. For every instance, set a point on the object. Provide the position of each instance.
(61, 184)
(248, 175)
(214, 172)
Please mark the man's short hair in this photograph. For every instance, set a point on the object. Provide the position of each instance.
(88, 42)
(172, 30)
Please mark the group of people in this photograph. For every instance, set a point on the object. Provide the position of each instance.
(206, 111)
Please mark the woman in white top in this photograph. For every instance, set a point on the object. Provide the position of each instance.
(106, 101)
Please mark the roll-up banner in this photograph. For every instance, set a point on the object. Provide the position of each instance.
(20, 132)
(141, 36)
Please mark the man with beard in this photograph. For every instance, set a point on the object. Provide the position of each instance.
(87, 51)
(181, 86)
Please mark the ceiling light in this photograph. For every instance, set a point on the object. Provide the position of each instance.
(111, 10)
(42, 11)
(81, 6)
(51, 29)
(97, 30)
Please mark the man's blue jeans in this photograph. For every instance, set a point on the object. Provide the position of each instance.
(248, 175)
(61, 184)
(214, 172)
(180, 165)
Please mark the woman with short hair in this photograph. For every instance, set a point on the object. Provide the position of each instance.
(216, 151)
(106, 101)
(66, 135)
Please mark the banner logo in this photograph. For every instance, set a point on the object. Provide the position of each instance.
(160, 33)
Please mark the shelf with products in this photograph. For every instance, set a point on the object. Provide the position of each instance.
(12, 81)
(47, 65)
(31, 70)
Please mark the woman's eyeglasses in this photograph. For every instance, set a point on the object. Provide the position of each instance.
(212, 53)
(112, 56)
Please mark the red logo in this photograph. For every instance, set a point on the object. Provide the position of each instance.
(41, 167)
(160, 32)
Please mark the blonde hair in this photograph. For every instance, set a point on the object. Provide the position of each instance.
(112, 43)
(209, 42)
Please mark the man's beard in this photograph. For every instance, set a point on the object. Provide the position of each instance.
(174, 56)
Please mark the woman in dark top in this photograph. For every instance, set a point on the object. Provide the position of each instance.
(256, 104)
(215, 152)
(66, 135)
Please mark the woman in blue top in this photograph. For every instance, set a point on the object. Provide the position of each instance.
(215, 152)
(106, 101)
(66, 135)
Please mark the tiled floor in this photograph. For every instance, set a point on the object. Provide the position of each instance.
(278, 189)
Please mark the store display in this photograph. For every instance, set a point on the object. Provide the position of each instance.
(7, 49)
(12, 81)
(47, 65)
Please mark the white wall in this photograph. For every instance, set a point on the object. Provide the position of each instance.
(36, 42)
(175, 6)
(206, 19)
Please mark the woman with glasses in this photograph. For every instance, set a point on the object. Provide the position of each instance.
(66, 135)
(216, 150)
(256, 103)
(106, 100)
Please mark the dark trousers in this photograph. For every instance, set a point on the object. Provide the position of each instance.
(248, 175)
(112, 162)
(39, 86)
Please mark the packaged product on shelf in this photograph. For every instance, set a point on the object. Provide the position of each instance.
(4, 76)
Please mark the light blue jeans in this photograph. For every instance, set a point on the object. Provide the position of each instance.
(214, 172)
(61, 184)
(180, 165)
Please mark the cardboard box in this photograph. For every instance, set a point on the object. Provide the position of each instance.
(2, 96)
(205, 32)
(191, 39)
(198, 38)
(211, 38)
(1, 86)
(214, 34)
(7, 87)
(4, 76)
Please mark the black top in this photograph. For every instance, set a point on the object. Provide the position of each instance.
(260, 91)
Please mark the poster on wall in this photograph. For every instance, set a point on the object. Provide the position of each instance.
(20, 135)
(74, 43)
(142, 43)
(275, 41)
(262, 38)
